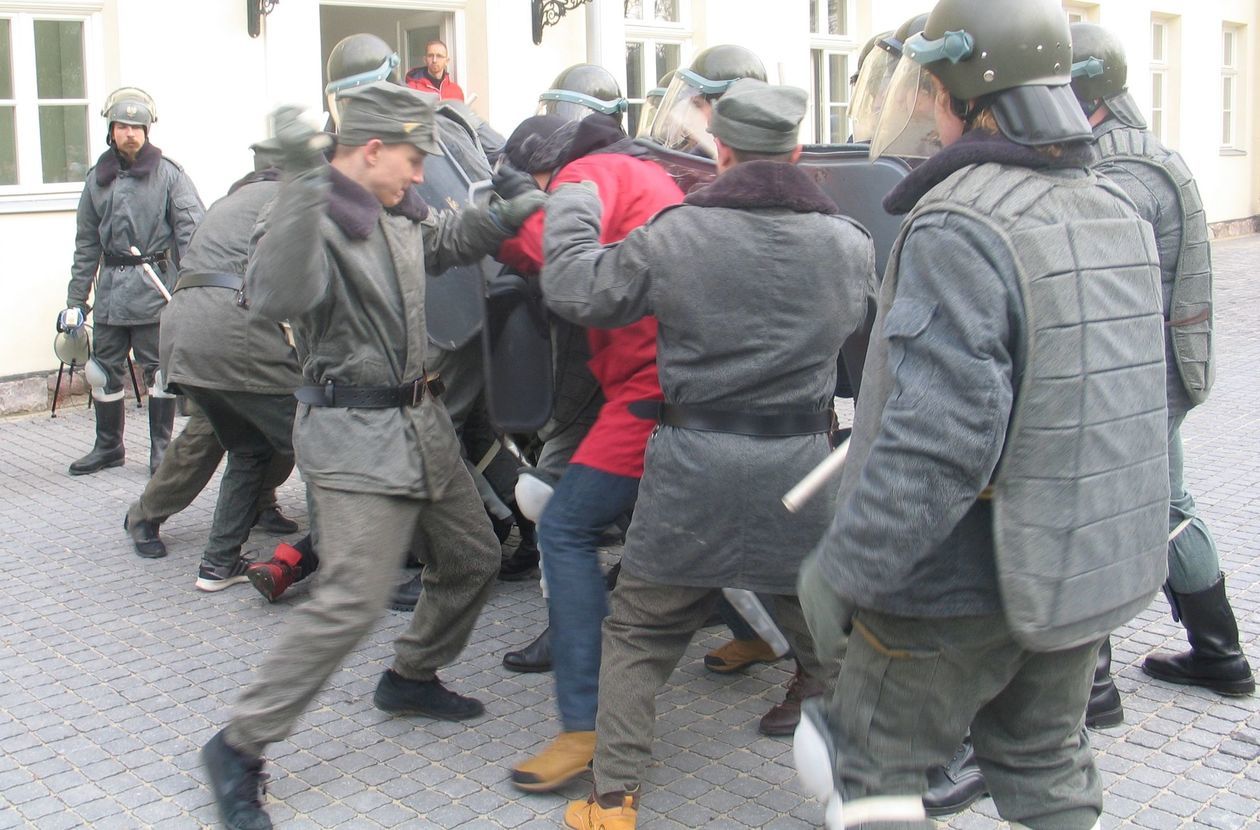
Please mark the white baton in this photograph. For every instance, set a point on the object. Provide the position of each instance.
(152, 275)
(809, 486)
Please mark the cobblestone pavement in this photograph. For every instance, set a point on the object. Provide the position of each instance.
(114, 670)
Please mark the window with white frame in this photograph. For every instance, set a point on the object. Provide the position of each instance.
(1159, 77)
(44, 119)
(832, 53)
(1231, 87)
(1081, 12)
(656, 39)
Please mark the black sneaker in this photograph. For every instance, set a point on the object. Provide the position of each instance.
(238, 784)
(407, 594)
(399, 696)
(217, 577)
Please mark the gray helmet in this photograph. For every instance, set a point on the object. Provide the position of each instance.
(1016, 52)
(866, 50)
(130, 105)
(580, 90)
(357, 60)
(1100, 73)
(73, 345)
(682, 120)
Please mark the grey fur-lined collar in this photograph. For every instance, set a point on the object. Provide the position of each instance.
(355, 210)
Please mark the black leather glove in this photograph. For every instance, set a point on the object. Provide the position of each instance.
(509, 182)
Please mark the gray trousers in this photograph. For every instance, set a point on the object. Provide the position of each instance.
(110, 345)
(648, 627)
(255, 430)
(1193, 563)
(909, 688)
(186, 469)
(362, 539)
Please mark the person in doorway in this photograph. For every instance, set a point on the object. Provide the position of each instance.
(433, 76)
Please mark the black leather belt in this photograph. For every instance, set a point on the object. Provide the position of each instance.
(119, 260)
(370, 397)
(770, 425)
(235, 282)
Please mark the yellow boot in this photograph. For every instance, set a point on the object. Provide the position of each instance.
(589, 815)
(567, 756)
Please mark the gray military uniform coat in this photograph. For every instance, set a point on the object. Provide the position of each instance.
(350, 276)
(151, 205)
(755, 283)
(208, 338)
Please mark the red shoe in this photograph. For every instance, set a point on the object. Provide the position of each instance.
(273, 577)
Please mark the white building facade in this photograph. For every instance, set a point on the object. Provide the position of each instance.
(1191, 68)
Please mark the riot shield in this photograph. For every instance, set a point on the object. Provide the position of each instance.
(453, 302)
(517, 354)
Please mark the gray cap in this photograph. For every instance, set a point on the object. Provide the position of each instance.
(395, 114)
(759, 118)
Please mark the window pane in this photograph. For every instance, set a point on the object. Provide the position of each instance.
(667, 10)
(1227, 49)
(8, 147)
(1157, 91)
(63, 138)
(1227, 94)
(838, 78)
(838, 124)
(1157, 41)
(634, 9)
(1157, 123)
(837, 22)
(6, 62)
(59, 59)
(1227, 129)
(820, 106)
(634, 69)
(668, 57)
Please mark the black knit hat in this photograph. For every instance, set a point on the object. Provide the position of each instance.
(528, 137)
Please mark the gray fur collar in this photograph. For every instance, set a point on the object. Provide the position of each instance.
(764, 184)
(355, 210)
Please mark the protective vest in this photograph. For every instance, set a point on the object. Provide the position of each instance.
(1190, 312)
(1080, 493)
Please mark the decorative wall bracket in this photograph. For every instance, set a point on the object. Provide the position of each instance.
(255, 11)
(549, 12)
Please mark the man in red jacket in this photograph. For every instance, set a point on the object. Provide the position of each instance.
(433, 77)
(602, 480)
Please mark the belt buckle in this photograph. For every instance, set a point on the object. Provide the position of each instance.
(417, 391)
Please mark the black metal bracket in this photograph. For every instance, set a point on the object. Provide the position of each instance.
(255, 11)
(548, 13)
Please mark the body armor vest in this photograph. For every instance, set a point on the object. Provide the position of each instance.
(1190, 312)
(1080, 494)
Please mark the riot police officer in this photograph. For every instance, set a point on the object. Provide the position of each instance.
(1159, 183)
(1019, 322)
(135, 217)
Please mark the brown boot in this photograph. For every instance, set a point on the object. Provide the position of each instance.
(590, 814)
(564, 758)
(783, 717)
(739, 654)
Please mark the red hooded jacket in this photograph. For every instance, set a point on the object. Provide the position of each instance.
(419, 79)
(623, 360)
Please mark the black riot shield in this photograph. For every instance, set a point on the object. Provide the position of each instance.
(453, 297)
(517, 354)
(855, 183)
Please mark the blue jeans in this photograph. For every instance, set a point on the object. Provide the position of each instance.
(585, 502)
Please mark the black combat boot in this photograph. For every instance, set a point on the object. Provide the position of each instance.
(238, 784)
(144, 535)
(955, 786)
(535, 657)
(108, 450)
(407, 594)
(161, 422)
(1104, 708)
(1215, 660)
(523, 563)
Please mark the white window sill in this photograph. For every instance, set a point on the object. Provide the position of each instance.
(39, 203)
(1232, 151)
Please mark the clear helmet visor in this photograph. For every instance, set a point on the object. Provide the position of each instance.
(870, 92)
(682, 120)
(647, 114)
(907, 122)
